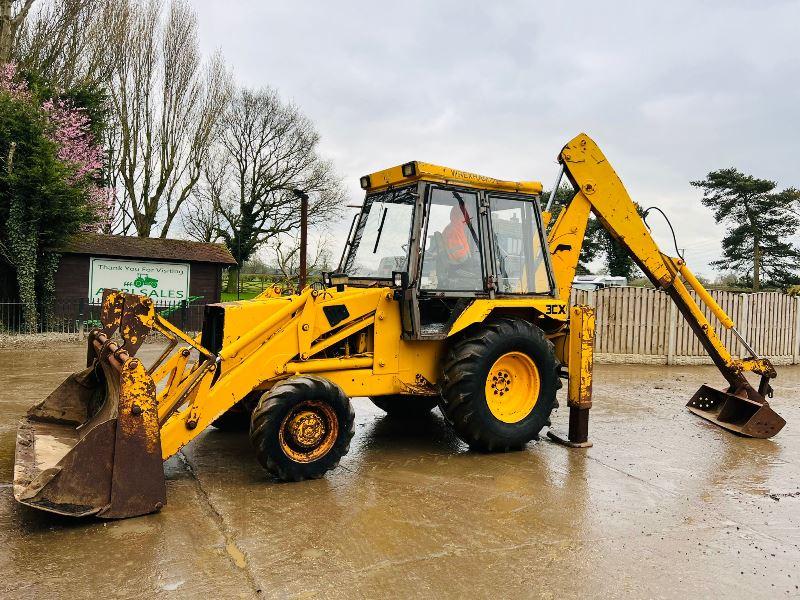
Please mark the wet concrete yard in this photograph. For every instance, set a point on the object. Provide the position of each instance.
(663, 506)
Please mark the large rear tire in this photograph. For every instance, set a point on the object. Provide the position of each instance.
(499, 385)
(301, 428)
(405, 407)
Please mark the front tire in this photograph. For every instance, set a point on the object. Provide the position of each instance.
(301, 428)
(499, 385)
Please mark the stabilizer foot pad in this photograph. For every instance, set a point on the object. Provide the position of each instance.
(565, 441)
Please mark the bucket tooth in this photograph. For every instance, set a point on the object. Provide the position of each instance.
(745, 416)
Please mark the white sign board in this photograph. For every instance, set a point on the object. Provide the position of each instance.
(164, 283)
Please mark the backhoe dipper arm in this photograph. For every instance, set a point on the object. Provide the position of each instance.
(600, 191)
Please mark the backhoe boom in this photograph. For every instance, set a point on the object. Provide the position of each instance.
(599, 190)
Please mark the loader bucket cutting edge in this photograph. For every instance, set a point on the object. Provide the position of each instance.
(750, 418)
(93, 446)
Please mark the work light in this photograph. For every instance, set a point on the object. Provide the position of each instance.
(400, 279)
(364, 182)
(409, 169)
(339, 280)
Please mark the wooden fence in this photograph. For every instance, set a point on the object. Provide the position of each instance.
(643, 325)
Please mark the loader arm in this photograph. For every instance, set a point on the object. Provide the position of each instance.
(600, 191)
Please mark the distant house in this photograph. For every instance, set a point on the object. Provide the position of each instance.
(598, 282)
(168, 271)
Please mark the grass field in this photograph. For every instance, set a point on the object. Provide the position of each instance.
(250, 286)
(226, 297)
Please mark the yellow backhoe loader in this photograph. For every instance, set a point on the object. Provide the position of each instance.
(449, 293)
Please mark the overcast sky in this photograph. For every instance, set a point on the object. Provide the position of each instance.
(669, 91)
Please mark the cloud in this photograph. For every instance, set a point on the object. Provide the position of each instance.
(670, 91)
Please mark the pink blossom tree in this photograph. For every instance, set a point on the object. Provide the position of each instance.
(77, 146)
(70, 129)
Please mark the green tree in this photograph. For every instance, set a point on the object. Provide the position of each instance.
(597, 244)
(43, 197)
(759, 221)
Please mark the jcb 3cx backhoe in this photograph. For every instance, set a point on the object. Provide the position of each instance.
(448, 293)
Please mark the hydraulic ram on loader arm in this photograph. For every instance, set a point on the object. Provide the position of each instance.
(740, 408)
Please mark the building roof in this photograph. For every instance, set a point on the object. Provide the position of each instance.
(147, 248)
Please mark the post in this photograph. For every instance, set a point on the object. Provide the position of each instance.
(184, 311)
(81, 320)
(672, 333)
(796, 336)
(744, 319)
(303, 236)
(303, 240)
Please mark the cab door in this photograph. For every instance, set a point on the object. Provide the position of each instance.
(453, 267)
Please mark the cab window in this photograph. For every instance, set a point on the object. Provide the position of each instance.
(452, 259)
(519, 260)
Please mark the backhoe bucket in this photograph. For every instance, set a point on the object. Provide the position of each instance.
(93, 446)
(745, 416)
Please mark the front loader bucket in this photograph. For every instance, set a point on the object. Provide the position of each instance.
(745, 416)
(93, 446)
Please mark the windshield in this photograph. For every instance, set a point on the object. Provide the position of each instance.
(380, 243)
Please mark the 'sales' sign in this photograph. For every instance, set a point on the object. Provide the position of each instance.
(164, 283)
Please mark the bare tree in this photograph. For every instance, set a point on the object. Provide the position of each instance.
(267, 149)
(12, 16)
(167, 107)
(285, 255)
(67, 41)
(201, 219)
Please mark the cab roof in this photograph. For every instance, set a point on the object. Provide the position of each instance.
(417, 170)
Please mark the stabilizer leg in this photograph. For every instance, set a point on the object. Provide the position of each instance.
(579, 390)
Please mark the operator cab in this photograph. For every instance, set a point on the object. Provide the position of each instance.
(444, 237)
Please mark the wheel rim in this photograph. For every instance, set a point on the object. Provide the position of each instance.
(308, 431)
(512, 387)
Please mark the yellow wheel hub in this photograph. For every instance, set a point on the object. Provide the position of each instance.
(309, 431)
(512, 387)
